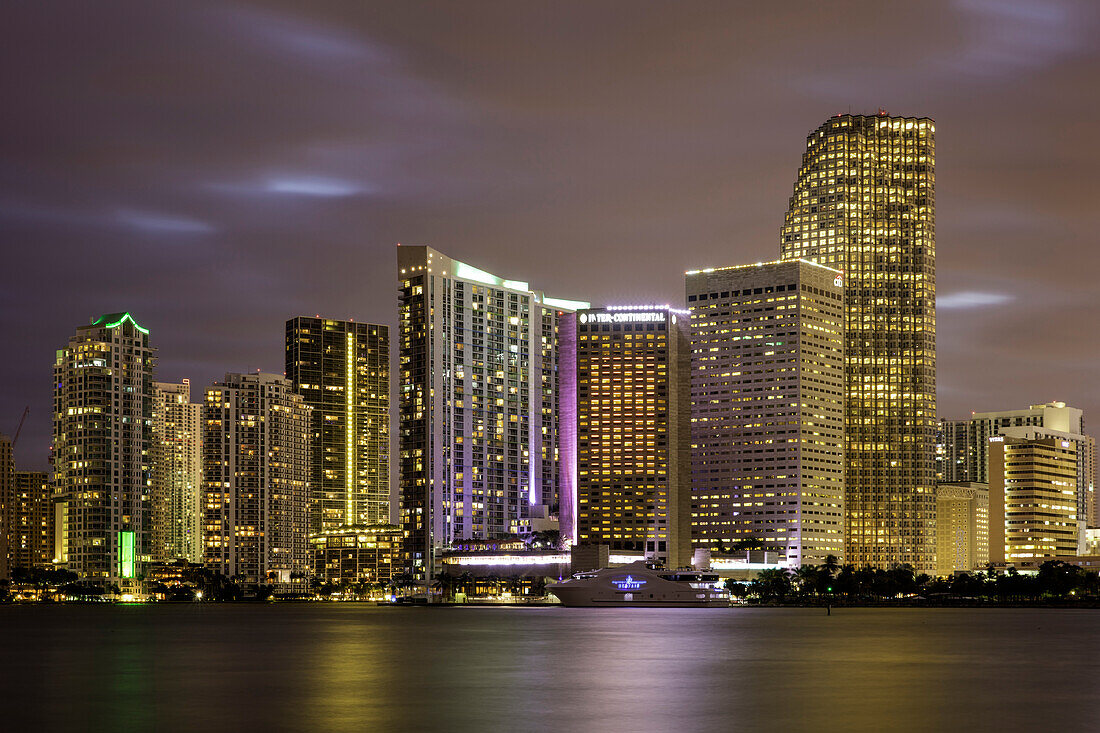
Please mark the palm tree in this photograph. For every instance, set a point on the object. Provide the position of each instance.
(772, 584)
(807, 577)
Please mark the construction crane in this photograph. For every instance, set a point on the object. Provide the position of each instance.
(26, 411)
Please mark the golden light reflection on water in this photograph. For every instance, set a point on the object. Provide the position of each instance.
(350, 667)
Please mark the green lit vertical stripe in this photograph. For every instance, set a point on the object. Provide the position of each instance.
(126, 554)
(349, 430)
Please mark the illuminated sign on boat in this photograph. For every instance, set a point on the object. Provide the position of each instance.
(627, 583)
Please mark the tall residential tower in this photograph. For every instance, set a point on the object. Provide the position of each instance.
(176, 494)
(864, 204)
(256, 480)
(478, 399)
(342, 369)
(102, 428)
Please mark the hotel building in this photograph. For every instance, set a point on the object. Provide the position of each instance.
(864, 204)
(176, 494)
(767, 392)
(1032, 499)
(962, 527)
(481, 397)
(256, 480)
(102, 429)
(342, 370)
(634, 431)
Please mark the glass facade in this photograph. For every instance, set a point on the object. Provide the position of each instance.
(478, 398)
(864, 204)
(342, 370)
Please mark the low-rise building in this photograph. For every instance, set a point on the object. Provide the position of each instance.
(358, 554)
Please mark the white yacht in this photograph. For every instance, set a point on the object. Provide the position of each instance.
(642, 584)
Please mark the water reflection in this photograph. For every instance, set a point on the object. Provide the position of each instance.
(345, 666)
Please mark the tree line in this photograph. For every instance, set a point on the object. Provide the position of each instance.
(832, 582)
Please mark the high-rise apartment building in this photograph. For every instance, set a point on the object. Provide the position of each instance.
(962, 527)
(103, 399)
(864, 204)
(1032, 499)
(256, 480)
(479, 401)
(342, 369)
(30, 528)
(176, 494)
(965, 445)
(7, 483)
(634, 431)
(767, 392)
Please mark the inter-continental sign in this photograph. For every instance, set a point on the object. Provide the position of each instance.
(629, 317)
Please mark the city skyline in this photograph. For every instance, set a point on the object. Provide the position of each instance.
(341, 177)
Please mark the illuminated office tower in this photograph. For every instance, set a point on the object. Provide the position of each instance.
(966, 442)
(864, 204)
(767, 391)
(342, 369)
(30, 529)
(102, 426)
(1032, 499)
(479, 404)
(176, 494)
(256, 480)
(634, 431)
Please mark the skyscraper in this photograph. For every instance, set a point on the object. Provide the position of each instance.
(634, 431)
(256, 480)
(342, 369)
(864, 204)
(767, 390)
(176, 495)
(103, 398)
(478, 399)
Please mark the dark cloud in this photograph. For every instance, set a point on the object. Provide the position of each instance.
(218, 167)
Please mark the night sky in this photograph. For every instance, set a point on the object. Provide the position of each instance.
(216, 168)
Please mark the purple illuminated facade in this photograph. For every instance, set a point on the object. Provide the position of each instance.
(479, 404)
(567, 425)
